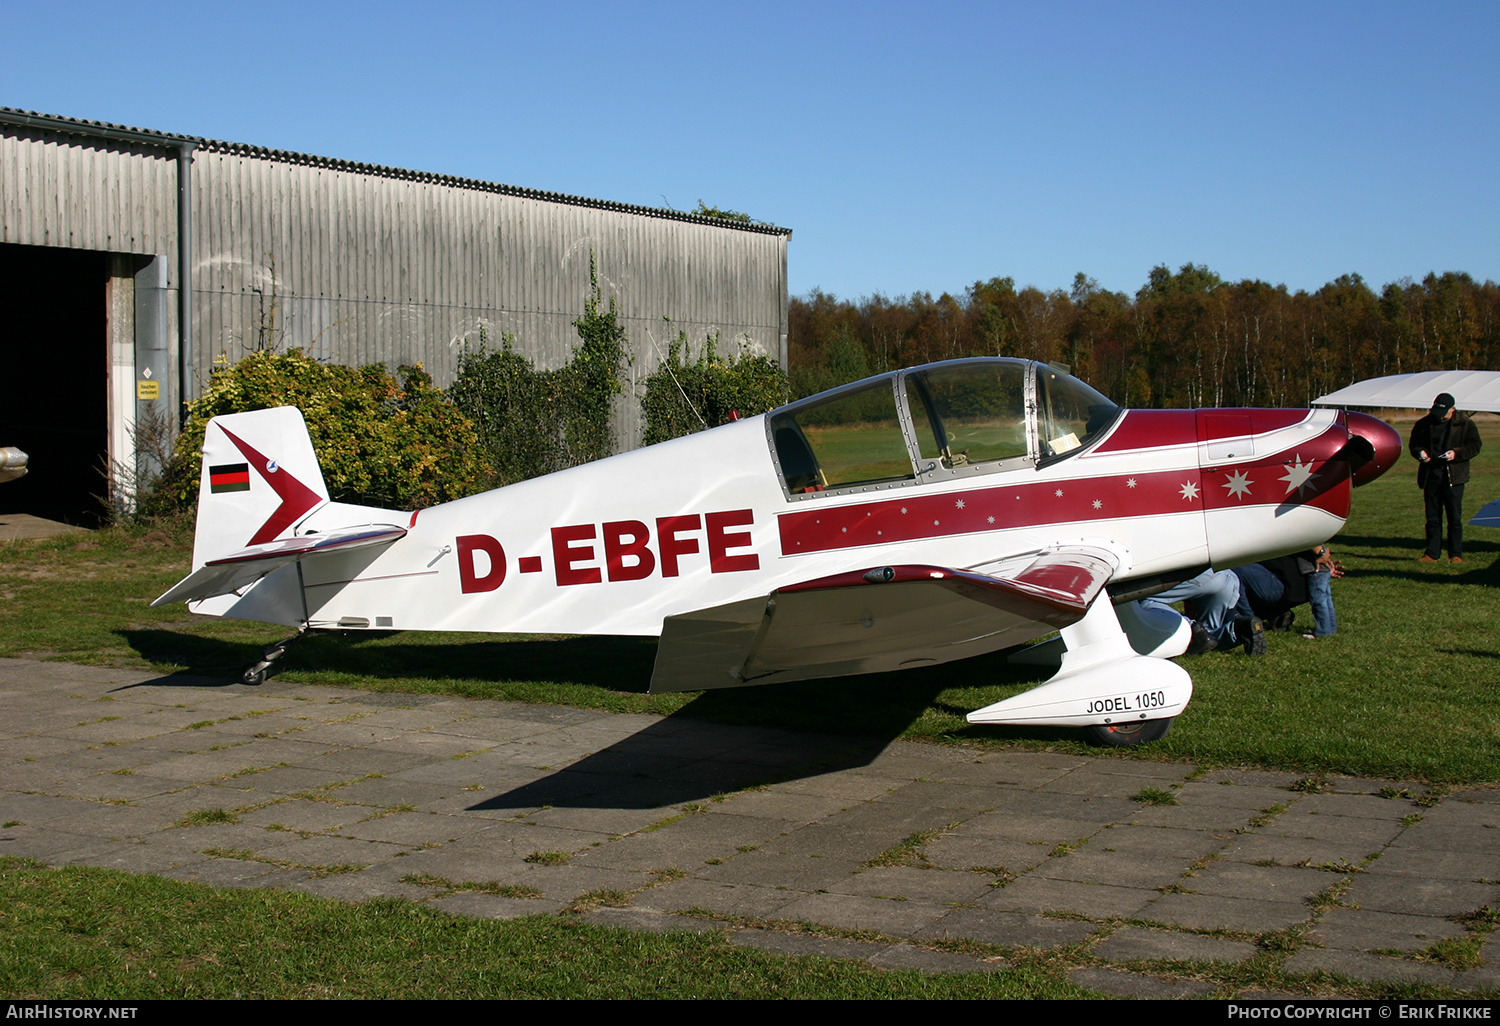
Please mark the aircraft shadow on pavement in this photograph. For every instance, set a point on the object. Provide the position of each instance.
(727, 740)
(616, 663)
(186, 679)
(720, 741)
(680, 760)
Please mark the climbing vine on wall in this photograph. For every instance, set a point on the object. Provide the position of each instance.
(683, 396)
(533, 422)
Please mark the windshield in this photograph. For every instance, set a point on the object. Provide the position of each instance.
(1070, 413)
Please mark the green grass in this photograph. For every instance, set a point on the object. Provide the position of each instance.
(81, 933)
(78, 933)
(494, 887)
(1457, 953)
(1403, 691)
(910, 852)
(207, 817)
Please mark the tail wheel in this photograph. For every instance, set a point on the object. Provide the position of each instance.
(1119, 735)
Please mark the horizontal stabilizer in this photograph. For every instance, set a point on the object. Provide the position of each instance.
(885, 618)
(236, 570)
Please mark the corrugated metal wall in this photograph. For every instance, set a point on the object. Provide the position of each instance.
(363, 265)
(67, 191)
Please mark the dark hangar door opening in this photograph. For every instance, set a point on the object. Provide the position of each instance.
(54, 407)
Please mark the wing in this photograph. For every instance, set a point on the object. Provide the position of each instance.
(240, 569)
(1474, 390)
(885, 618)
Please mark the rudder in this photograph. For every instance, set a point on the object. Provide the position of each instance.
(260, 477)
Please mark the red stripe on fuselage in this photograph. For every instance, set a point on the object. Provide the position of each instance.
(1151, 429)
(916, 515)
(1155, 429)
(912, 515)
(1261, 421)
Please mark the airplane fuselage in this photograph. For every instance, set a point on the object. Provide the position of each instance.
(617, 546)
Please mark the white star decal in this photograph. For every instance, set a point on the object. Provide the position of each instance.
(1130, 483)
(903, 509)
(1189, 491)
(1059, 493)
(1298, 474)
(959, 504)
(1239, 484)
(992, 520)
(1098, 504)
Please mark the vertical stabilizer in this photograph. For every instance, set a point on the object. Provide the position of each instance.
(260, 478)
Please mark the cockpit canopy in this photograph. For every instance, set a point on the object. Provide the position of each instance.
(933, 423)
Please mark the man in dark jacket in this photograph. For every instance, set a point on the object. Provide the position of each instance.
(1444, 442)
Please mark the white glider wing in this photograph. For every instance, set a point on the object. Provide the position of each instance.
(885, 618)
(1476, 391)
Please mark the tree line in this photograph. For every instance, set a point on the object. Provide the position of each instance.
(1186, 339)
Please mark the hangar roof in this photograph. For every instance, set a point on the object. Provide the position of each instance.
(150, 137)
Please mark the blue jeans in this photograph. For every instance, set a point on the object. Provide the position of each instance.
(1208, 598)
(1320, 595)
(1258, 587)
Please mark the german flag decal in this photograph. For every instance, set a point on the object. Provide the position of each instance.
(231, 477)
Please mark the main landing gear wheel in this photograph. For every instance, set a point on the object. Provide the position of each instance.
(1138, 732)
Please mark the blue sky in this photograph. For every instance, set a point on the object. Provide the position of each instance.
(909, 147)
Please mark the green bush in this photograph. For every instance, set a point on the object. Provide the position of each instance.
(683, 397)
(513, 409)
(533, 422)
(380, 440)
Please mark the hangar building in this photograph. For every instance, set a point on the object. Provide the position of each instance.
(132, 260)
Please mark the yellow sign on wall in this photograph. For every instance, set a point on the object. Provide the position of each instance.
(148, 389)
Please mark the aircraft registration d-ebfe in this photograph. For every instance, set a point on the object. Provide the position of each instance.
(917, 517)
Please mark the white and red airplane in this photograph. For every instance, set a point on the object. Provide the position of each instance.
(916, 517)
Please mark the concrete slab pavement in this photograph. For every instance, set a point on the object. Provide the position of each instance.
(14, 526)
(1146, 878)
